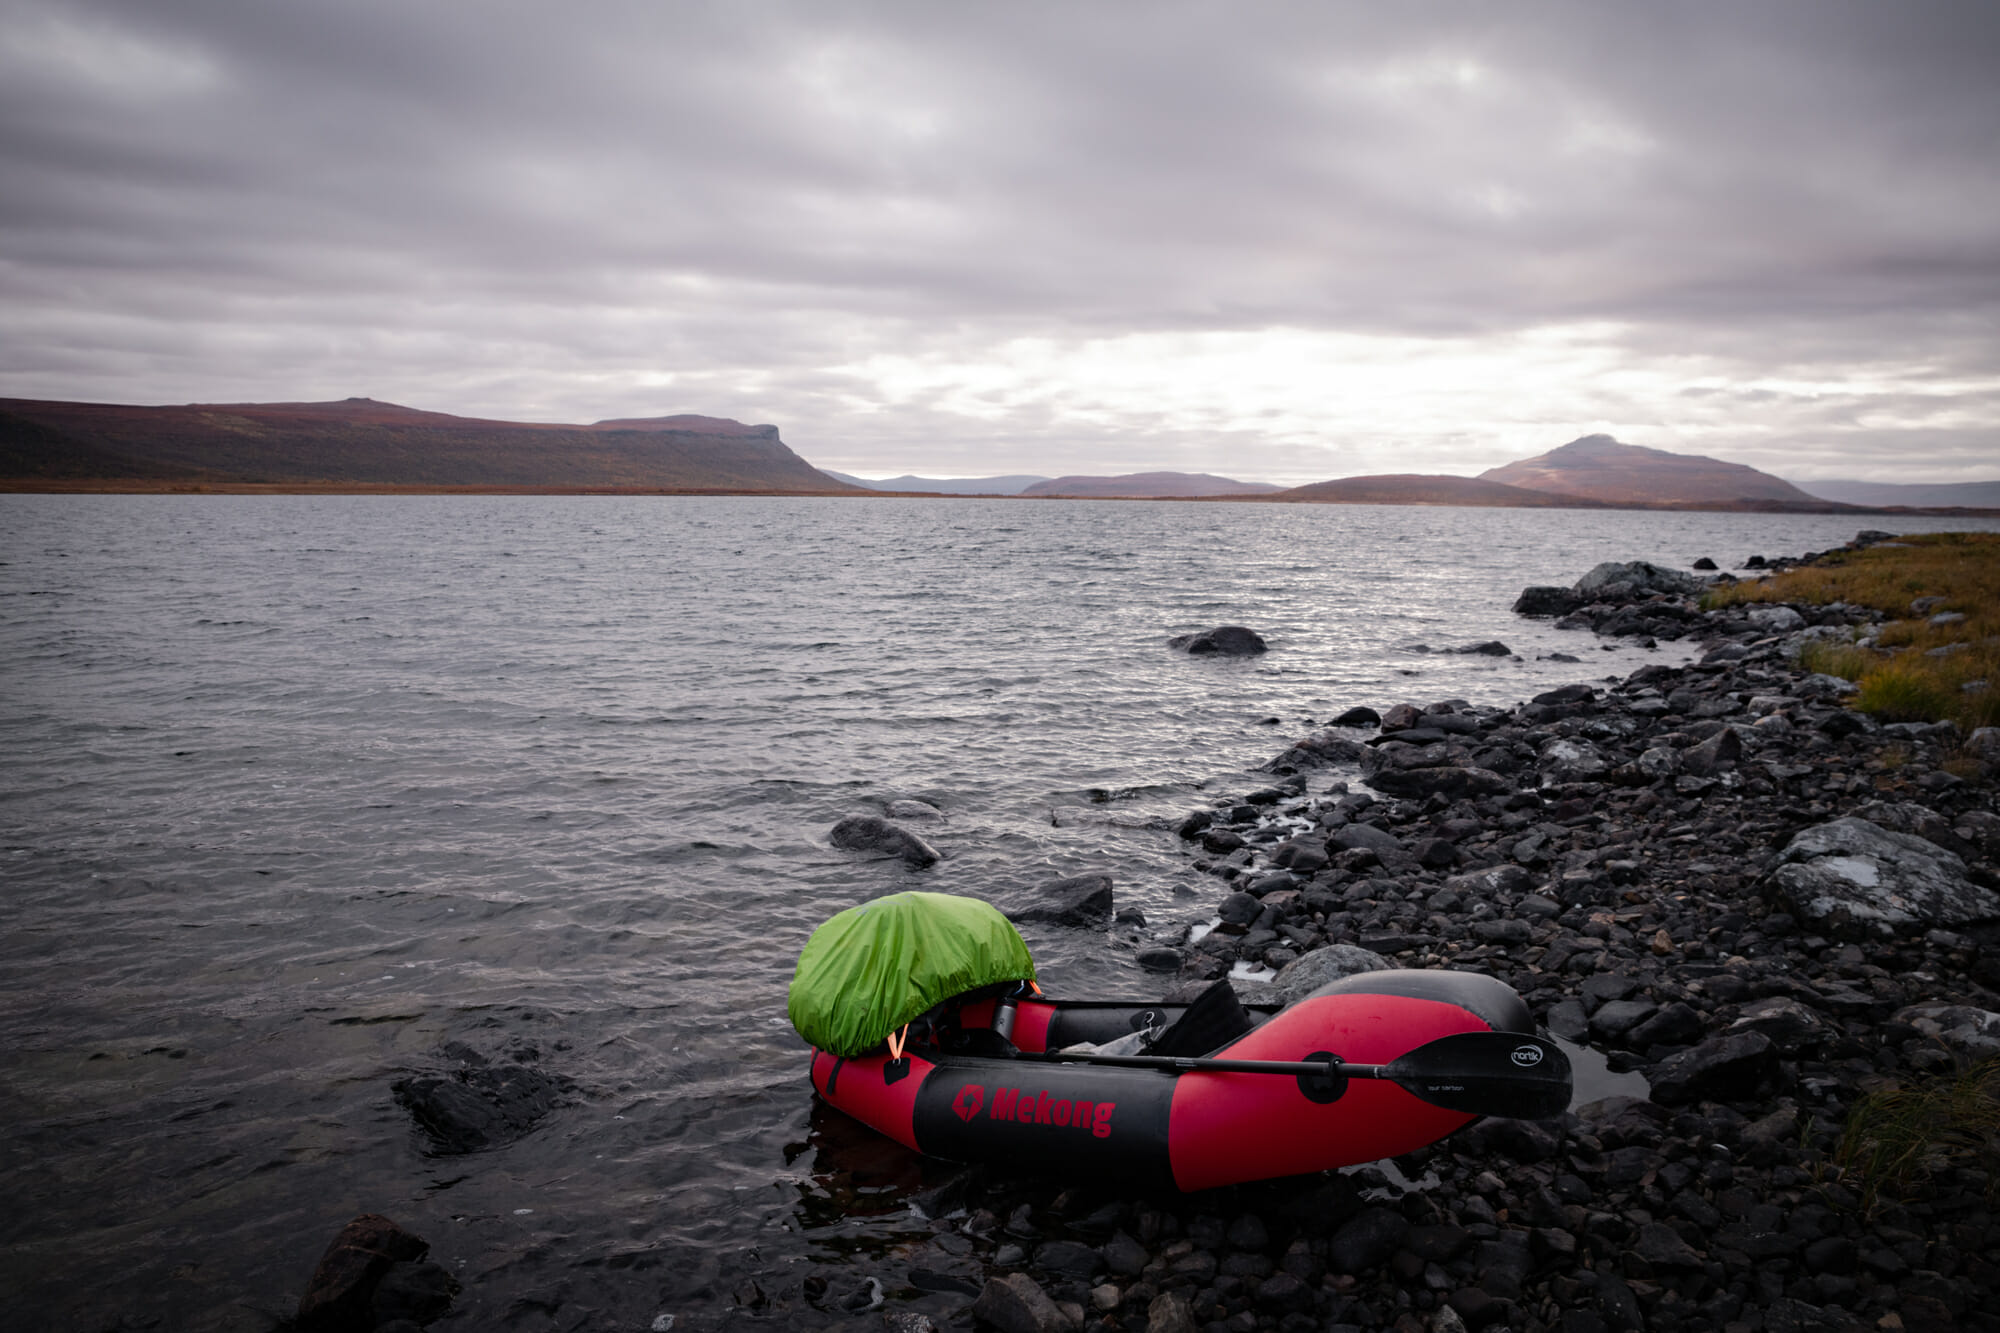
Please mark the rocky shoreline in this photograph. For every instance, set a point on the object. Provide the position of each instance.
(1753, 906)
(1674, 868)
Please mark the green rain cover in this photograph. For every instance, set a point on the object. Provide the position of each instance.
(871, 969)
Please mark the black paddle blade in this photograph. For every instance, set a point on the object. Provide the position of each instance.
(1507, 1074)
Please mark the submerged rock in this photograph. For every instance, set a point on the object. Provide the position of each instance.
(479, 1107)
(866, 833)
(1224, 640)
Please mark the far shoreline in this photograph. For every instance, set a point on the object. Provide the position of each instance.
(32, 486)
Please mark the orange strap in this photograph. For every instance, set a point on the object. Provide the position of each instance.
(896, 1042)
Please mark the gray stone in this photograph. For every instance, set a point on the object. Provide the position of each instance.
(1661, 761)
(1617, 1017)
(1171, 1313)
(1792, 1026)
(1776, 619)
(1124, 1256)
(1855, 878)
(866, 833)
(1662, 1247)
(1069, 1258)
(1494, 881)
(1366, 835)
(1969, 1031)
(1717, 754)
(908, 809)
(1564, 760)
(1507, 931)
(1309, 972)
(1016, 1304)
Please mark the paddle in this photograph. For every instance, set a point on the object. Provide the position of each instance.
(1483, 1073)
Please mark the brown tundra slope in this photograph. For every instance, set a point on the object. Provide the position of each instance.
(1598, 467)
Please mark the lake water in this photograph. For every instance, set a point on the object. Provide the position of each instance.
(298, 789)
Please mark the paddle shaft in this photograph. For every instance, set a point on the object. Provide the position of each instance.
(1483, 1073)
(1187, 1064)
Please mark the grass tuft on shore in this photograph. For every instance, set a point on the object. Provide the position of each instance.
(1915, 669)
(1895, 1140)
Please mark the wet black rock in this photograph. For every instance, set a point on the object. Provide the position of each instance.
(1080, 901)
(867, 833)
(1547, 601)
(479, 1106)
(1224, 640)
(1358, 716)
(1728, 1068)
(339, 1297)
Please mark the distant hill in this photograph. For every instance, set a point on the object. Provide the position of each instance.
(361, 441)
(1598, 467)
(1410, 488)
(942, 485)
(1940, 495)
(1142, 485)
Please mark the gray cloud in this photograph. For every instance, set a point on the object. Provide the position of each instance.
(763, 210)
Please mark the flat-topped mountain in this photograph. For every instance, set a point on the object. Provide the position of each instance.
(1412, 488)
(358, 441)
(1143, 485)
(1598, 467)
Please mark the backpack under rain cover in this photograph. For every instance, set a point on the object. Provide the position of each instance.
(870, 969)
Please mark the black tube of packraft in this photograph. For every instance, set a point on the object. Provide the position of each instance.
(1112, 1123)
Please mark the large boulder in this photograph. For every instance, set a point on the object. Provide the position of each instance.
(867, 833)
(1543, 600)
(1308, 972)
(1854, 878)
(1619, 580)
(1223, 640)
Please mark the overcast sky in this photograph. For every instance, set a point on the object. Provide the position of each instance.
(1279, 242)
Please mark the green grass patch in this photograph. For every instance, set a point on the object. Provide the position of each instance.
(1897, 1139)
(1916, 671)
